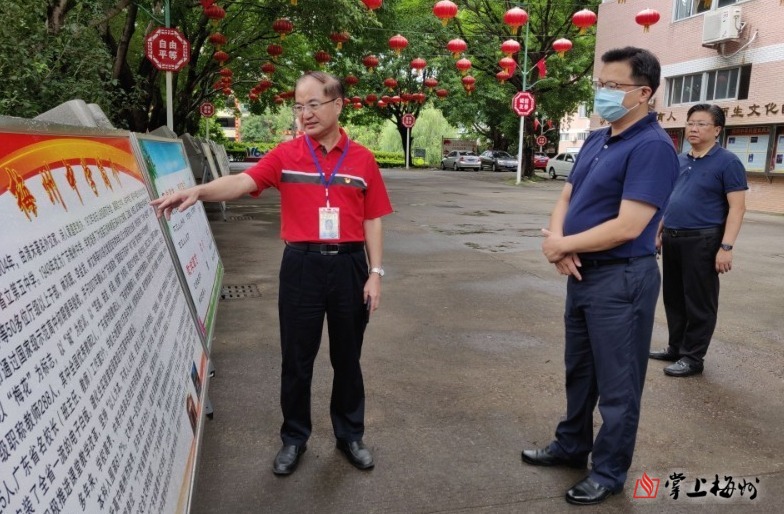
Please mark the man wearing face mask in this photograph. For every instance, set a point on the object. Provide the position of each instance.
(602, 237)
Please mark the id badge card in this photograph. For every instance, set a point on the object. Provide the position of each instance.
(329, 223)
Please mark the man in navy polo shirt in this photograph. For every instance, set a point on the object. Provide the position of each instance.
(698, 232)
(602, 236)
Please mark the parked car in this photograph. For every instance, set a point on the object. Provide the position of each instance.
(497, 160)
(561, 165)
(540, 161)
(460, 160)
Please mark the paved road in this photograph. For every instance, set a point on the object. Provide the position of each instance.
(464, 368)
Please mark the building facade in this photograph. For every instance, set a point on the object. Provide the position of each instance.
(725, 52)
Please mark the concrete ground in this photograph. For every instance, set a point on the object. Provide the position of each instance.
(463, 369)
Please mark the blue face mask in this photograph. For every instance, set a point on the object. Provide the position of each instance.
(608, 103)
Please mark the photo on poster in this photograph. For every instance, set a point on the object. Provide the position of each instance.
(196, 379)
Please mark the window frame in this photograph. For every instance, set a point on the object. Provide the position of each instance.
(708, 85)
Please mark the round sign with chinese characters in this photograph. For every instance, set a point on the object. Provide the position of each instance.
(408, 120)
(541, 140)
(523, 103)
(207, 109)
(167, 49)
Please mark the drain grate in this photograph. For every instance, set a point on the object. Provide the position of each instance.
(243, 291)
(243, 217)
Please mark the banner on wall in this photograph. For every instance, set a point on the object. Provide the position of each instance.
(102, 370)
(167, 169)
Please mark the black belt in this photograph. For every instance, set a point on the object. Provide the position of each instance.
(595, 263)
(672, 232)
(326, 248)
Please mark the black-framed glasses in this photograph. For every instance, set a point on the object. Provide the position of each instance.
(310, 106)
(598, 84)
(699, 124)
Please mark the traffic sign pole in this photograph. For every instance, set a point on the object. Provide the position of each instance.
(522, 118)
(408, 146)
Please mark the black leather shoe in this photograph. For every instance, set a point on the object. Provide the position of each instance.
(356, 453)
(665, 355)
(683, 368)
(287, 459)
(588, 492)
(544, 457)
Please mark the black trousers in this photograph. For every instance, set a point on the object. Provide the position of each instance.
(313, 286)
(690, 290)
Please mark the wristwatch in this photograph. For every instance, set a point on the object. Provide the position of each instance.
(726, 247)
(380, 271)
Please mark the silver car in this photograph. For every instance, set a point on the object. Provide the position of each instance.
(497, 160)
(460, 160)
(561, 165)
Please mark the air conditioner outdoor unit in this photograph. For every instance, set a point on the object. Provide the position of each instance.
(721, 25)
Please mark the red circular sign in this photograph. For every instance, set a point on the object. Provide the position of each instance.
(523, 103)
(167, 49)
(541, 140)
(408, 120)
(207, 109)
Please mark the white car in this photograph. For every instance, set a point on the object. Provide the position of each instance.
(561, 165)
(460, 160)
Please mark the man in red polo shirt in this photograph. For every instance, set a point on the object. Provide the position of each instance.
(332, 200)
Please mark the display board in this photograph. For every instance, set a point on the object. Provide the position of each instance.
(750, 144)
(212, 171)
(221, 158)
(166, 165)
(102, 369)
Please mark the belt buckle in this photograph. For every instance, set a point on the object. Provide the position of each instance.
(328, 249)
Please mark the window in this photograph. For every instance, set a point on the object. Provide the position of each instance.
(686, 8)
(729, 84)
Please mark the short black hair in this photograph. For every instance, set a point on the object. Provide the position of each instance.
(333, 87)
(716, 112)
(646, 69)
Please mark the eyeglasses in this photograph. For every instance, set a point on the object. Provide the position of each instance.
(598, 84)
(310, 107)
(698, 124)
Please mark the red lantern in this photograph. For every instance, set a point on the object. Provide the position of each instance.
(253, 96)
(339, 38)
(503, 76)
(508, 64)
(395, 99)
(470, 88)
(468, 80)
(381, 104)
(322, 57)
(419, 97)
(406, 97)
(509, 47)
(268, 68)
(390, 83)
(372, 4)
(562, 46)
(282, 26)
(278, 100)
(226, 72)
(442, 93)
(265, 84)
(371, 99)
(515, 18)
(445, 10)
(584, 19)
(217, 39)
(274, 51)
(386, 99)
(398, 43)
(456, 46)
(646, 18)
(350, 80)
(220, 56)
(418, 64)
(370, 62)
(463, 65)
(430, 82)
(357, 105)
(215, 13)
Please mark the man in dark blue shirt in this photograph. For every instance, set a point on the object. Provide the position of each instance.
(602, 236)
(698, 233)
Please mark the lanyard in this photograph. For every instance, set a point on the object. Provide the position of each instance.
(334, 174)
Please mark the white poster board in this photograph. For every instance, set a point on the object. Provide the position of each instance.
(166, 166)
(102, 370)
(750, 144)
